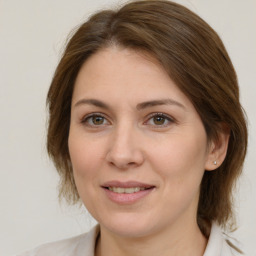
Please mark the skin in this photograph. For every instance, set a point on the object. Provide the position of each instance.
(118, 138)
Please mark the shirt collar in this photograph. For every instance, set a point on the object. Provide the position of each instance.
(87, 247)
(215, 242)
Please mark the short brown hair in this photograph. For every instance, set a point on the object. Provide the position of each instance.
(195, 58)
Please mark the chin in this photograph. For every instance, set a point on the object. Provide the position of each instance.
(129, 225)
(129, 230)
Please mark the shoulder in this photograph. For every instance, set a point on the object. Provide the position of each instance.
(220, 244)
(79, 245)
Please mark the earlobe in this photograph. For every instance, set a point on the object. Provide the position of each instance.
(217, 151)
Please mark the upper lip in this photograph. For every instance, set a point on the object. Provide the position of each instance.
(126, 184)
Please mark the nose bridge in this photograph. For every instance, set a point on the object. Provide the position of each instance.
(124, 148)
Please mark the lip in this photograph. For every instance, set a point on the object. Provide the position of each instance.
(126, 199)
(126, 184)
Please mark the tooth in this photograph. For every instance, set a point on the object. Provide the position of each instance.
(118, 190)
(129, 190)
(125, 190)
(137, 189)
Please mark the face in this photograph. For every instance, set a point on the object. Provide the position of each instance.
(137, 145)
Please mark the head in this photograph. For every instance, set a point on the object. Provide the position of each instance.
(193, 56)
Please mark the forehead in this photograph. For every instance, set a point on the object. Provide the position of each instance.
(117, 60)
(125, 74)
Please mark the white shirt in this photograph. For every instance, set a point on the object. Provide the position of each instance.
(83, 245)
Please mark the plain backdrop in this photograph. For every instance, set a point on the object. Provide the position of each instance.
(32, 37)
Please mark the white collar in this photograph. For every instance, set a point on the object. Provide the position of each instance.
(215, 242)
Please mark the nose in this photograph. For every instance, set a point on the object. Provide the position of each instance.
(125, 149)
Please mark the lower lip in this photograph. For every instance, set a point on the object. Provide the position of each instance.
(123, 198)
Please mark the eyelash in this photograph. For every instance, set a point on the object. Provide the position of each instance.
(85, 120)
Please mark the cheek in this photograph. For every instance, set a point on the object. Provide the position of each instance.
(180, 163)
(180, 158)
(85, 157)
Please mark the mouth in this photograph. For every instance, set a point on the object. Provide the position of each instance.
(127, 187)
(127, 192)
(121, 190)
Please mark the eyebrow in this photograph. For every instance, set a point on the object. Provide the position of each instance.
(93, 102)
(153, 103)
(140, 106)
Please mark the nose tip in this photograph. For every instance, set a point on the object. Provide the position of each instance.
(125, 153)
(125, 159)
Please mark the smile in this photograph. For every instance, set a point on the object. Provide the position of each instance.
(120, 190)
(127, 193)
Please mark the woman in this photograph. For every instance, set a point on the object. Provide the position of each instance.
(146, 129)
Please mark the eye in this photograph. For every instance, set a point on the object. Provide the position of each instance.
(95, 120)
(159, 119)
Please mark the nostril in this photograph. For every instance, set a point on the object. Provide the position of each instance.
(123, 165)
(131, 163)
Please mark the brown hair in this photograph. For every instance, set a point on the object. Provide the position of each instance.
(195, 58)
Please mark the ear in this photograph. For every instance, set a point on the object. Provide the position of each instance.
(218, 149)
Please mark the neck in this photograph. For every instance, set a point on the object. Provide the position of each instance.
(177, 240)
